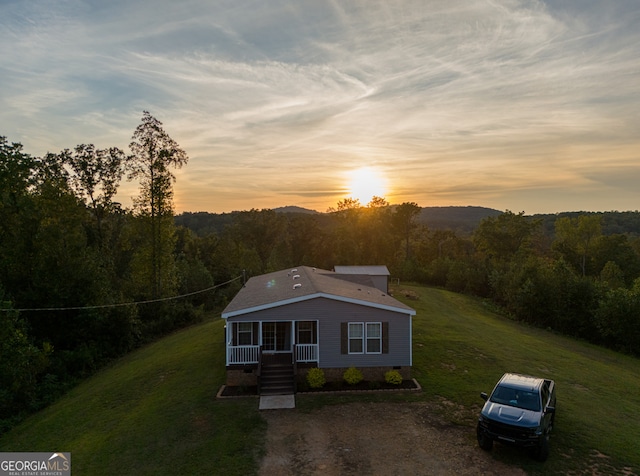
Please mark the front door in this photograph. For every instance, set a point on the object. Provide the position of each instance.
(276, 336)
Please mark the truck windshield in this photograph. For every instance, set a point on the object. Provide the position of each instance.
(516, 397)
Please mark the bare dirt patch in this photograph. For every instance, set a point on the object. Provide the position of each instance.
(373, 439)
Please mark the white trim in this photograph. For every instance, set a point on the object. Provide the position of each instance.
(244, 332)
(292, 335)
(285, 302)
(410, 342)
(313, 324)
(363, 340)
(366, 338)
(247, 354)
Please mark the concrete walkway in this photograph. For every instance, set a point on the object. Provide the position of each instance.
(275, 402)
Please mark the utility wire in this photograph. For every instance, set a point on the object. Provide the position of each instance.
(103, 306)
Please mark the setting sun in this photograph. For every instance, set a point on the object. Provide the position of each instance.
(366, 183)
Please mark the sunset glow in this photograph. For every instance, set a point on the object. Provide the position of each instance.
(527, 105)
(366, 183)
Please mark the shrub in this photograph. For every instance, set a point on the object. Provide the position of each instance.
(315, 378)
(352, 376)
(393, 377)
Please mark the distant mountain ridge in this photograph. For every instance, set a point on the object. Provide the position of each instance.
(294, 209)
(464, 219)
(461, 219)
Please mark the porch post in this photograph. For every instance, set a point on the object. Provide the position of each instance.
(227, 333)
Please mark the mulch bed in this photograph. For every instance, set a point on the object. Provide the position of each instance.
(365, 385)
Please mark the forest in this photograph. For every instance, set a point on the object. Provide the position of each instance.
(84, 280)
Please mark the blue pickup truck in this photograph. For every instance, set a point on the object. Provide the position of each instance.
(520, 412)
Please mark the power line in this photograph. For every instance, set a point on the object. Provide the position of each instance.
(122, 304)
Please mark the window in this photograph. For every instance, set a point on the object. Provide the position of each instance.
(545, 394)
(356, 337)
(364, 338)
(245, 333)
(374, 337)
(305, 333)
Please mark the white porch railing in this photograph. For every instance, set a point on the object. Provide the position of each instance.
(243, 354)
(249, 354)
(306, 352)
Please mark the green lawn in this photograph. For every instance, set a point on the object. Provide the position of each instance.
(155, 411)
(461, 349)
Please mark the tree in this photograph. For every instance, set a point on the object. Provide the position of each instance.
(404, 222)
(154, 153)
(259, 232)
(376, 241)
(377, 202)
(96, 175)
(348, 203)
(617, 318)
(501, 237)
(616, 249)
(16, 172)
(21, 363)
(578, 235)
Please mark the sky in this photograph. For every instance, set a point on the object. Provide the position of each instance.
(528, 106)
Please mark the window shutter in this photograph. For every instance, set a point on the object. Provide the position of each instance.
(385, 337)
(344, 338)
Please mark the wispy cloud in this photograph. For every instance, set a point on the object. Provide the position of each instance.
(501, 103)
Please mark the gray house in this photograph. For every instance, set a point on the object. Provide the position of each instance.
(280, 324)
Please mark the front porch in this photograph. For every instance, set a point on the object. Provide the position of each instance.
(251, 354)
(248, 342)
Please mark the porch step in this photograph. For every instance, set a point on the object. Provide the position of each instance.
(277, 379)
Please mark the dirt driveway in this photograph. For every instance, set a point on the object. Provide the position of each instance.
(373, 439)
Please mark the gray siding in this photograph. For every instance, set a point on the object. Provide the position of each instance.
(330, 314)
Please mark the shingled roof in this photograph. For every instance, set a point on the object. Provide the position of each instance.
(303, 283)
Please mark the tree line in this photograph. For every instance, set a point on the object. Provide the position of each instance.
(84, 280)
(574, 273)
(73, 261)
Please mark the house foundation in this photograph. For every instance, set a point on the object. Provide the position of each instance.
(368, 373)
(247, 376)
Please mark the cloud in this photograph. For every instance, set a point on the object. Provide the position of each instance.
(272, 101)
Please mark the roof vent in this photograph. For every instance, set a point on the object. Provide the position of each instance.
(296, 286)
(296, 276)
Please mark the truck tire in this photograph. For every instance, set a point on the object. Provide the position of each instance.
(542, 452)
(484, 442)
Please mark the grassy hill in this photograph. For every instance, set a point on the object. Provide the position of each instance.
(155, 411)
(152, 412)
